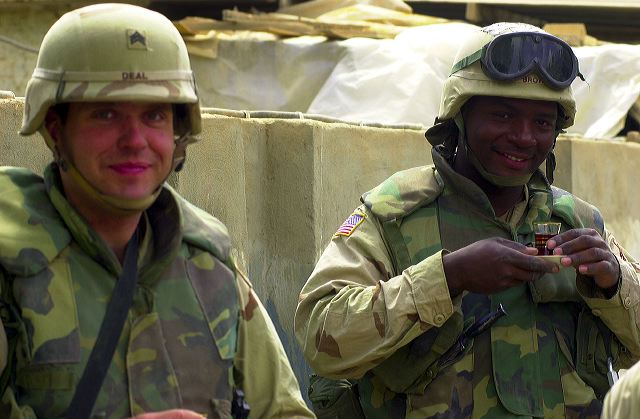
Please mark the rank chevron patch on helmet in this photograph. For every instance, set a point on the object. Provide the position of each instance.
(136, 39)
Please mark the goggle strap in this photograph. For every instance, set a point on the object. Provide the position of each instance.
(467, 61)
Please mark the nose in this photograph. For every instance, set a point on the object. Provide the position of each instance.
(522, 133)
(133, 134)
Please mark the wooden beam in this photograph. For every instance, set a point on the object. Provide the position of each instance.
(483, 14)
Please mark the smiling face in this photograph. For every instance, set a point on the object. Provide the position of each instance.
(510, 137)
(123, 149)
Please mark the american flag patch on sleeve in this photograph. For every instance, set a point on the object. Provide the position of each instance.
(350, 224)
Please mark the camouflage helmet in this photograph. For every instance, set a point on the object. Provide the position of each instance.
(112, 52)
(468, 79)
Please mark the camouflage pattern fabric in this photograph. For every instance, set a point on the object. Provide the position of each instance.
(195, 328)
(356, 310)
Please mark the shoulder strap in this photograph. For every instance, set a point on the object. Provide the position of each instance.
(101, 355)
(204, 231)
(396, 198)
(397, 246)
(401, 258)
(404, 192)
(576, 212)
(11, 324)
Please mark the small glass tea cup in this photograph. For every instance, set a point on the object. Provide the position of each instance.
(543, 232)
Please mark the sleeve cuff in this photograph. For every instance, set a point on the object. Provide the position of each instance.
(626, 295)
(430, 290)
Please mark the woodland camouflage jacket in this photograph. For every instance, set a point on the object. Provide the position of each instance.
(195, 329)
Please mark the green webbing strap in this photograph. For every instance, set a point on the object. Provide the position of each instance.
(10, 329)
(399, 251)
(101, 355)
(6, 373)
(607, 335)
(11, 324)
(466, 61)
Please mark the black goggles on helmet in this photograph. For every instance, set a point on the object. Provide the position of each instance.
(514, 55)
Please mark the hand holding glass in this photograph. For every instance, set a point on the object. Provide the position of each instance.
(543, 232)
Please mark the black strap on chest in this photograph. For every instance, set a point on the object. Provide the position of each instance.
(101, 355)
(11, 322)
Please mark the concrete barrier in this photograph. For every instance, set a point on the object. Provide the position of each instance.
(283, 186)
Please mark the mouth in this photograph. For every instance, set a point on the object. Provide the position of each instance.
(129, 168)
(513, 161)
(514, 158)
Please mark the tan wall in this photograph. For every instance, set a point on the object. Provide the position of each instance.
(23, 24)
(282, 187)
(607, 174)
(26, 26)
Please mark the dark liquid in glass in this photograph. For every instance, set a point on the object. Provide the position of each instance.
(541, 244)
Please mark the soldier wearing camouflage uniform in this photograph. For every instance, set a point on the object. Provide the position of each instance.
(408, 301)
(114, 96)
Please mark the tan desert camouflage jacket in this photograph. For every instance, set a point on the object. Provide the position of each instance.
(360, 318)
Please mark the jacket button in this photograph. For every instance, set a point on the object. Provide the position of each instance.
(439, 319)
(596, 312)
(627, 302)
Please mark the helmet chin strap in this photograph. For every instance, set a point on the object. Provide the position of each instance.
(550, 165)
(502, 181)
(116, 205)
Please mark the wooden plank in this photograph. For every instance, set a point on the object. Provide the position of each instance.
(483, 14)
(606, 24)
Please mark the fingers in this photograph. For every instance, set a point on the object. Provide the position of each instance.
(516, 269)
(513, 276)
(521, 248)
(600, 268)
(492, 265)
(529, 263)
(519, 261)
(587, 256)
(572, 241)
(523, 275)
(587, 251)
(597, 263)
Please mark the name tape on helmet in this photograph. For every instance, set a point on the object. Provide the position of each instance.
(80, 76)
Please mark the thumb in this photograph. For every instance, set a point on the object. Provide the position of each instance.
(519, 247)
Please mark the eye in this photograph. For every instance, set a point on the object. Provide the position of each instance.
(546, 123)
(502, 115)
(158, 115)
(103, 114)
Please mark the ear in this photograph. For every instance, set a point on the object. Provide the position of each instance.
(53, 124)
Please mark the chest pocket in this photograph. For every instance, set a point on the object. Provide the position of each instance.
(195, 321)
(48, 350)
(47, 304)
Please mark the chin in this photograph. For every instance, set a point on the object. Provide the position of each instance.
(133, 195)
(135, 191)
